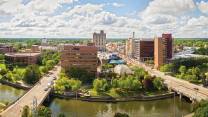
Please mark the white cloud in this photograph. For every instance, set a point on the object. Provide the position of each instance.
(115, 4)
(39, 19)
(173, 7)
(203, 6)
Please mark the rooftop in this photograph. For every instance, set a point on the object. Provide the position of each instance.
(21, 54)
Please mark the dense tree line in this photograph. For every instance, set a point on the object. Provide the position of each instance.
(42, 111)
(80, 74)
(191, 69)
(65, 83)
(202, 51)
(137, 82)
(191, 42)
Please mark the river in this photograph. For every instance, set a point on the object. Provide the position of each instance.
(75, 108)
(158, 108)
(9, 94)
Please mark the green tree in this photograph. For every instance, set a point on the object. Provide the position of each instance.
(121, 115)
(3, 69)
(32, 74)
(182, 69)
(167, 68)
(202, 109)
(100, 85)
(158, 83)
(44, 112)
(26, 112)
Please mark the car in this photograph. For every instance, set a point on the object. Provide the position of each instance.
(54, 78)
(49, 84)
(46, 89)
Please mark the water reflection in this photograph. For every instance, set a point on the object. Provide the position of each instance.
(9, 94)
(159, 108)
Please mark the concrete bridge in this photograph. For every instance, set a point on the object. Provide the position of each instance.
(35, 96)
(184, 88)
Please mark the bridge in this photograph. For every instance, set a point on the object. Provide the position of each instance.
(183, 88)
(36, 95)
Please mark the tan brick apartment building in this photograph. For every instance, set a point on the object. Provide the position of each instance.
(79, 56)
(22, 58)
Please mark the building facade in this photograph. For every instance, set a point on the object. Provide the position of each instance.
(22, 58)
(99, 39)
(159, 52)
(144, 49)
(168, 40)
(129, 47)
(35, 48)
(79, 56)
(6, 49)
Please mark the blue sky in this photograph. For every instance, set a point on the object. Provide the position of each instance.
(119, 18)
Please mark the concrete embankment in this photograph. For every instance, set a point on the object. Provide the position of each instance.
(113, 100)
(15, 85)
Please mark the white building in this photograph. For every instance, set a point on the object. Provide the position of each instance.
(99, 39)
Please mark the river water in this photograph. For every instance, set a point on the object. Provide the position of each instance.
(9, 94)
(172, 107)
(158, 108)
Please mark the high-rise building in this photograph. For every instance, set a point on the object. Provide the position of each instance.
(168, 40)
(163, 49)
(79, 56)
(144, 49)
(129, 47)
(159, 52)
(99, 39)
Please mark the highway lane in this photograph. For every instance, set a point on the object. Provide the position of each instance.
(37, 92)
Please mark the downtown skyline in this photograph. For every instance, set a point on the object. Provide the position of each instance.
(119, 18)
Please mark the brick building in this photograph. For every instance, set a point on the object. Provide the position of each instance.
(79, 56)
(144, 49)
(163, 49)
(99, 39)
(168, 40)
(159, 52)
(6, 49)
(22, 58)
(35, 48)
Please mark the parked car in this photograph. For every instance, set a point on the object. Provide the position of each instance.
(46, 89)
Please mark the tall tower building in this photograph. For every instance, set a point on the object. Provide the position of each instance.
(159, 52)
(99, 39)
(168, 40)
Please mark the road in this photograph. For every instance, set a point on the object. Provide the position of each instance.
(194, 92)
(36, 92)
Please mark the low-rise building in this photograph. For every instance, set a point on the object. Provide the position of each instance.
(22, 58)
(35, 48)
(6, 48)
(79, 56)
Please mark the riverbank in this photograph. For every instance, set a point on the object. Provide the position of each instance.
(114, 100)
(16, 85)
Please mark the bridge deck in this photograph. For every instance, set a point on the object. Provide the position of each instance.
(37, 91)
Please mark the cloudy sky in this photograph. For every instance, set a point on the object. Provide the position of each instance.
(119, 18)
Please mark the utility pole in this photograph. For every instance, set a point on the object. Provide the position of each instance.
(34, 107)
